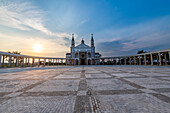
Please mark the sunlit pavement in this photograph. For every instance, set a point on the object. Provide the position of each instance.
(68, 89)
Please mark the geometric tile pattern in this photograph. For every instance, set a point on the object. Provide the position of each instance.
(85, 89)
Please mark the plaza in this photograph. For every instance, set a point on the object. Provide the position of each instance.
(85, 89)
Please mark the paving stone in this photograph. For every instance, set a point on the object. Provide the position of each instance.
(166, 94)
(125, 75)
(148, 91)
(85, 89)
(164, 78)
(82, 105)
(101, 75)
(107, 84)
(150, 82)
(132, 103)
(57, 85)
(153, 74)
(43, 104)
(80, 93)
(71, 75)
(15, 85)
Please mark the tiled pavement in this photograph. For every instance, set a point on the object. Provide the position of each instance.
(79, 89)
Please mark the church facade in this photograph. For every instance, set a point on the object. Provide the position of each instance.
(82, 54)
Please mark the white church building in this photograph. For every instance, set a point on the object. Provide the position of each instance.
(82, 54)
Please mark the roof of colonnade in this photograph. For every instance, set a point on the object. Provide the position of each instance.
(150, 52)
(27, 56)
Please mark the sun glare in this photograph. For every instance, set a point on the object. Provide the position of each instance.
(37, 48)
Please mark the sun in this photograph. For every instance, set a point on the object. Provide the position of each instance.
(37, 47)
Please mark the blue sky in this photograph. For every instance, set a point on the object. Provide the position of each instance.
(120, 27)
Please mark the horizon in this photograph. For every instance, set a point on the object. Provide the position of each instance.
(44, 28)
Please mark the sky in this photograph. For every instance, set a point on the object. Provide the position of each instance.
(120, 27)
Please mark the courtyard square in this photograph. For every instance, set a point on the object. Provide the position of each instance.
(85, 89)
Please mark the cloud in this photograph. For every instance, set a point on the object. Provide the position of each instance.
(83, 21)
(67, 41)
(23, 15)
(51, 48)
(151, 35)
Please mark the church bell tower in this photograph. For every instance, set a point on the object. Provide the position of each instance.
(72, 46)
(92, 46)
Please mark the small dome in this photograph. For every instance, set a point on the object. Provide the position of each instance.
(82, 41)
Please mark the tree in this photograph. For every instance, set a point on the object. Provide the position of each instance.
(13, 58)
(141, 51)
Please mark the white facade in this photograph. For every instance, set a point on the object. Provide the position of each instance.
(82, 54)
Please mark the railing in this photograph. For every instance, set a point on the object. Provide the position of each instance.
(161, 57)
(16, 60)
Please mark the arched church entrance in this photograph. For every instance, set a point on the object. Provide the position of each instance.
(83, 62)
(83, 57)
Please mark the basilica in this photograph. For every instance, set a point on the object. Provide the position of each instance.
(82, 54)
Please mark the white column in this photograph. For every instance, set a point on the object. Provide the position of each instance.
(57, 62)
(48, 62)
(169, 55)
(22, 61)
(38, 61)
(157, 59)
(145, 59)
(53, 61)
(139, 60)
(151, 59)
(130, 61)
(3, 60)
(17, 60)
(9, 61)
(165, 58)
(103, 61)
(33, 61)
(44, 61)
(160, 59)
(134, 58)
(0, 60)
(125, 60)
(28, 61)
(64, 61)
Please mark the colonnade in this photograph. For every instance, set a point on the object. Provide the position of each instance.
(15, 60)
(161, 57)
